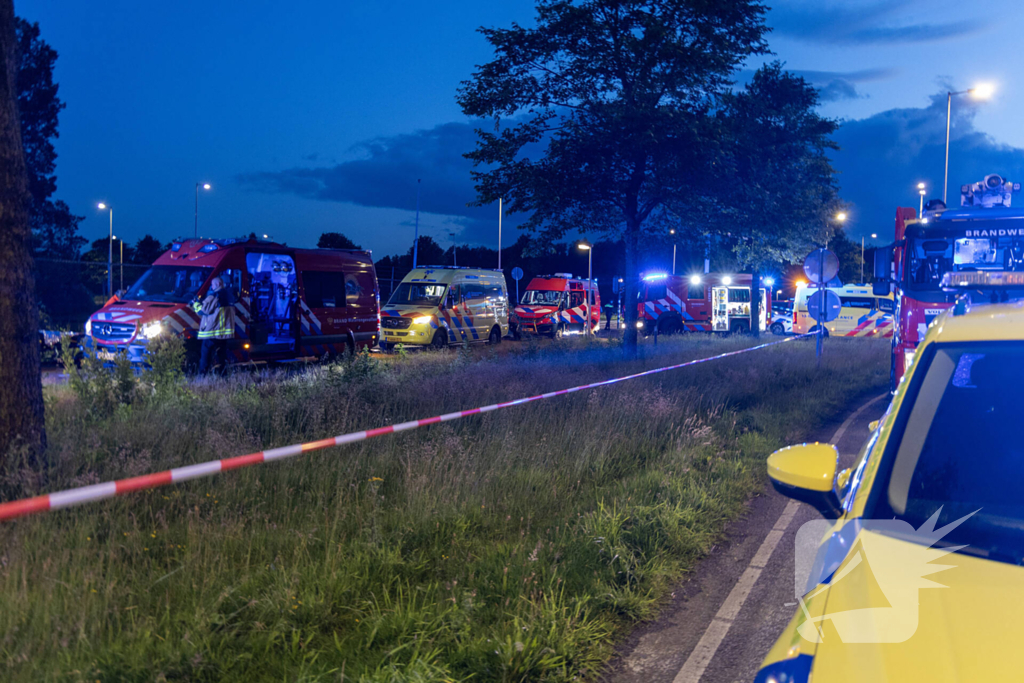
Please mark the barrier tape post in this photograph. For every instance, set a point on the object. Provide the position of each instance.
(110, 489)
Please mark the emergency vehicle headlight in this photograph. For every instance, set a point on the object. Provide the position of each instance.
(640, 324)
(422, 320)
(152, 330)
(88, 328)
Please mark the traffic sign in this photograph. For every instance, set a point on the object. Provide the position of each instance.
(821, 265)
(517, 273)
(828, 312)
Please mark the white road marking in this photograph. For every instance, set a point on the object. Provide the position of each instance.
(716, 631)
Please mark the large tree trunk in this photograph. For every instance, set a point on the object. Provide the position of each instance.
(630, 287)
(21, 395)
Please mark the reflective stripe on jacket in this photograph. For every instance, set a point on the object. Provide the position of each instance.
(218, 320)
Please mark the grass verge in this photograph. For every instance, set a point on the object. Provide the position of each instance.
(514, 546)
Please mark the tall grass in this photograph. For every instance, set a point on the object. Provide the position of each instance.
(513, 546)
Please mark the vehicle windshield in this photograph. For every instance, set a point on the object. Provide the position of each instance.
(545, 297)
(417, 294)
(961, 450)
(931, 254)
(177, 284)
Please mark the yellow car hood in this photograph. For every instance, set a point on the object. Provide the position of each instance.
(968, 624)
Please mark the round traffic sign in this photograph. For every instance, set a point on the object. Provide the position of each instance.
(828, 312)
(821, 265)
(517, 273)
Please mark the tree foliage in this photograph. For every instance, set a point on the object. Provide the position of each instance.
(335, 240)
(601, 112)
(54, 227)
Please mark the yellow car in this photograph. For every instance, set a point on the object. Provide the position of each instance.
(441, 305)
(918, 574)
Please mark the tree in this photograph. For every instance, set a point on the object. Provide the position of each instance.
(21, 401)
(778, 186)
(147, 250)
(848, 253)
(616, 93)
(335, 240)
(54, 227)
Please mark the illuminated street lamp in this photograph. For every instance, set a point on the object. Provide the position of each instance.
(672, 232)
(589, 248)
(921, 191)
(770, 281)
(206, 186)
(982, 91)
(110, 249)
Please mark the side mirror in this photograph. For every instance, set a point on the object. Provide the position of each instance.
(882, 268)
(807, 473)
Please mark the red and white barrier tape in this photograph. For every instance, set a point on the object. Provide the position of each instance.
(96, 492)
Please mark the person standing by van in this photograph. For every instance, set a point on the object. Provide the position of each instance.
(217, 325)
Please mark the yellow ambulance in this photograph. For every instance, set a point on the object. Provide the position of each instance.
(863, 314)
(441, 305)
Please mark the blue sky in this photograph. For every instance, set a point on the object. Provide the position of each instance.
(316, 116)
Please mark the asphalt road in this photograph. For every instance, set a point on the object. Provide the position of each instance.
(726, 615)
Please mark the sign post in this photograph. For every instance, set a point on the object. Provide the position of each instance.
(820, 266)
(517, 275)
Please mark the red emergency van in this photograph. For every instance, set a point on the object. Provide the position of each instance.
(291, 303)
(554, 305)
(696, 303)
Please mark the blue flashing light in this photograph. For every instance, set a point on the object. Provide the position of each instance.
(655, 276)
(176, 247)
(206, 249)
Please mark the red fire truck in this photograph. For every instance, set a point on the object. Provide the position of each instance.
(947, 253)
(554, 305)
(696, 303)
(291, 303)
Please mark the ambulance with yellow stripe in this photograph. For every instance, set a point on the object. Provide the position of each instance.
(863, 313)
(440, 305)
(291, 304)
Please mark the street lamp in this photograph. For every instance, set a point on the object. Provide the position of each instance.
(120, 286)
(672, 232)
(770, 281)
(589, 248)
(110, 249)
(206, 186)
(874, 235)
(982, 91)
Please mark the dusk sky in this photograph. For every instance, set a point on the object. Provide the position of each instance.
(314, 116)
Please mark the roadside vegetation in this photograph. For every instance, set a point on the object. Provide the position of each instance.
(513, 546)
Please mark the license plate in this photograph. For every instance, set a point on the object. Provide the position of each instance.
(105, 355)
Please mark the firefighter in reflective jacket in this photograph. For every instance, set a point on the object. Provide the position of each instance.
(217, 325)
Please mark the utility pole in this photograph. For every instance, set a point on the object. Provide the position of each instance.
(416, 237)
(499, 231)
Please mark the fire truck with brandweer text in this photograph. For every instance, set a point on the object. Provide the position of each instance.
(973, 252)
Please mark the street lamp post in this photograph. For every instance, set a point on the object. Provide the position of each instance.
(120, 286)
(672, 232)
(921, 191)
(589, 248)
(979, 92)
(206, 186)
(110, 249)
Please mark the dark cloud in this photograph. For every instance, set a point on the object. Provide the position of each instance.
(884, 156)
(385, 176)
(860, 24)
